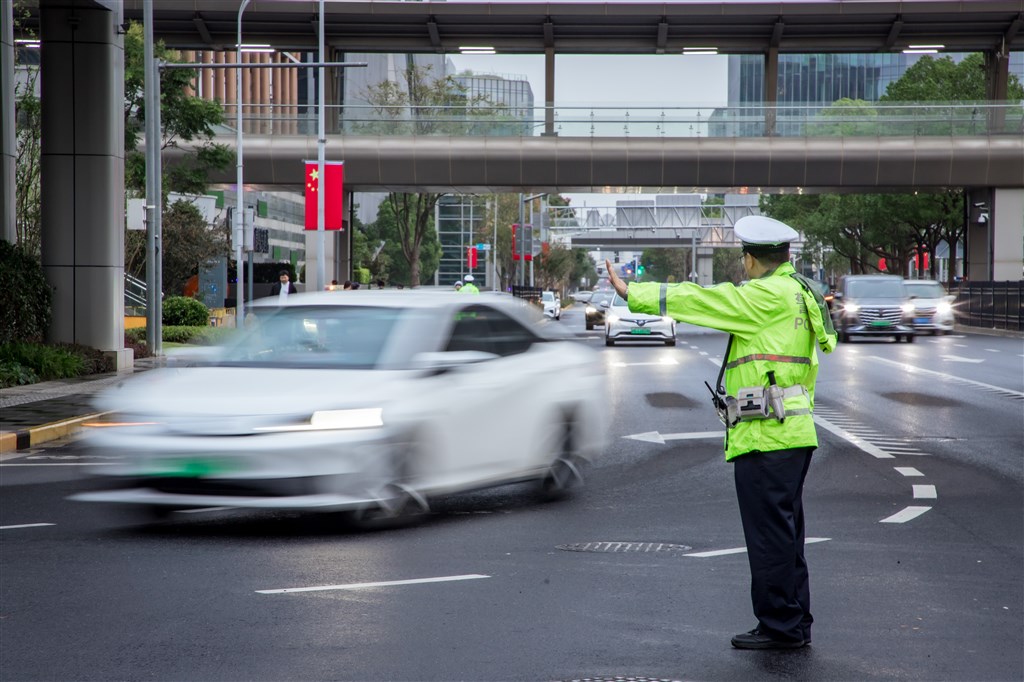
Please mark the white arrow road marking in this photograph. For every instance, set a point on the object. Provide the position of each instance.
(957, 358)
(925, 492)
(660, 438)
(867, 447)
(741, 550)
(360, 586)
(910, 369)
(908, 471)
(907, 514)
(27, 525)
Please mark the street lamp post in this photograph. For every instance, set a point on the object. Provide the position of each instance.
(239, 216)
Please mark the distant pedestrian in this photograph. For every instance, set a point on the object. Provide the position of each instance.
(347, 286)
(283, 287)
(469, 287)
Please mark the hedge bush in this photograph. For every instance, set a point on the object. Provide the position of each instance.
(185, 311)
(16, 374)
(201, 335)
(47, 362)
(27, 296)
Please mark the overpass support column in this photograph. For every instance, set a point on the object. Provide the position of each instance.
(549, 91)
(1007, 229)
(8, 160)
(771, 89)
(82, 170)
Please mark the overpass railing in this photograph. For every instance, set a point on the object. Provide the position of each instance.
(942, 119)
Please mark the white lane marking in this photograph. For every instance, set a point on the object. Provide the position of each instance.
(925, 492)
(957, 358)
(867, 447)
(910, 369)
(27, 525)
(660, 438)
(907, 514)
(992, 350)
(204, 509)
(897, 448)
(960, 345)
(662, 362)
(908, 471)
(741, 550)
(703, 352)
(361, 586)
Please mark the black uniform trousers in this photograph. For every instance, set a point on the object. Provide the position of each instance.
(769, 487)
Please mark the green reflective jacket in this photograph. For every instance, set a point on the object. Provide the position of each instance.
(469, 288)
(776, 324)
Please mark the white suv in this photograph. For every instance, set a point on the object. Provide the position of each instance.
(552, 306)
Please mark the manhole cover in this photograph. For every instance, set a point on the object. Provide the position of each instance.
(622, 678)
(921, 399)
(672, 400)
(623, 547)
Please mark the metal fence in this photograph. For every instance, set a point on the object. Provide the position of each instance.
(992, 305)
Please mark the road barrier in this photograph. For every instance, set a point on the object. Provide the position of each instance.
(992, 305)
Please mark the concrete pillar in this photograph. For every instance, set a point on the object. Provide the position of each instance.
(8, 144)
(192, 88)
(83, 173)
(266, 95)
(1007, 229)
(206, 77)
(230, 88)
(217, 76)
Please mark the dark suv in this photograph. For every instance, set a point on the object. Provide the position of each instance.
(873, 305)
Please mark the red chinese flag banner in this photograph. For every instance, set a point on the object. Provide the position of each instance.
(334, 173)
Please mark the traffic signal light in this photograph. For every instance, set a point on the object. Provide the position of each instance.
(471, 257)
(640, 270)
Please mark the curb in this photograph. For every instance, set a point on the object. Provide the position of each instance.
(987, 331)
(26, 438)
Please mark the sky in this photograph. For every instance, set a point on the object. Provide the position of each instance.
(654, 80)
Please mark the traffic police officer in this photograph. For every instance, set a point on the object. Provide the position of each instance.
(469, 287)
(774, 321)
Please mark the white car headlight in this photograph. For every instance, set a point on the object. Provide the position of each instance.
(667, 320)
(907, 308)
(329, 420)
(851, 307)
(612, 319)
(943, 308)
(591, 309)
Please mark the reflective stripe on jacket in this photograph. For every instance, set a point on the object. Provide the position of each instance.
(775, 325)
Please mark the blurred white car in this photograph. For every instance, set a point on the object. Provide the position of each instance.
(370, 402)
(933, 307)
(622, 325)
(552, 305)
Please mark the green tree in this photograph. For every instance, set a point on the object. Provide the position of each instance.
(28, 117)
(420, 104)
(399, 215)
(188, 243)
(183, 118)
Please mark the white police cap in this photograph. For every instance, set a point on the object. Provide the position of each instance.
(470, 278)
(758, 230)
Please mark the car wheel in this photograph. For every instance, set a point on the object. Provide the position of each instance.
(565, 472)
(909, 338)
(670, 342)
(608, 341)
(590, 326)
(399, 503)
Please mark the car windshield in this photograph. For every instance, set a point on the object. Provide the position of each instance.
(600, 298)
(332, 337)
(875, 288)
(548, 296)
(925, 289)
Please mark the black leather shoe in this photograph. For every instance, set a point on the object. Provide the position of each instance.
(755, 639)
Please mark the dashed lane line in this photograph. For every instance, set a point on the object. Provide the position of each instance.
(27, 525)
(905, 514)
(925, 492)
(363, 586)
(908, 471)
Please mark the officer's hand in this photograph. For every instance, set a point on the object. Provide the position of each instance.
(621, 287)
